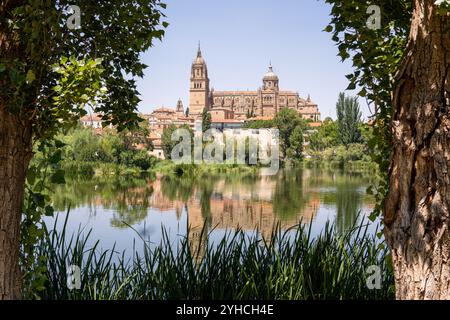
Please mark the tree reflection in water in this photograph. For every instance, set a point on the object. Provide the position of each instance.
(223, 202)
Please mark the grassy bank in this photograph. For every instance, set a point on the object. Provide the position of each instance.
(289, 266)
(353, 166)
(75, 169)
(170, 168)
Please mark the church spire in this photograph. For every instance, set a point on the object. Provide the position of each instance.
(199, 51)
(199, 59)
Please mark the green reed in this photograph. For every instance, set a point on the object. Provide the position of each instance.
(290, 265)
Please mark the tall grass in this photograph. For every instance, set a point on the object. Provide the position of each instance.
(291, 265)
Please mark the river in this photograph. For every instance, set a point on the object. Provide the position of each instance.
(126, 211)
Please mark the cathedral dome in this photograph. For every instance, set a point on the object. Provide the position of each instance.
(270, 75)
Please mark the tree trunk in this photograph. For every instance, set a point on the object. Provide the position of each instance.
(15, 155)
(417, 207)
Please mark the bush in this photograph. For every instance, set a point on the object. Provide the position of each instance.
(85, 146)
(342, 156)
(139, 159)
(142, 160)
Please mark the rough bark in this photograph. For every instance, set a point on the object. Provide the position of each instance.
(15, 154)
(417, 207)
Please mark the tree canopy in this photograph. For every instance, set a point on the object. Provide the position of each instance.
(401, 65)
(206, 120)
(50, 72)
(349, 119)
(376, 54)
(286, 121)
(57, 59)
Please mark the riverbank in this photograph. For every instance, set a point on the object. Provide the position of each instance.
(190, 170)
(163, 167)
(169, 168)
(352, 166)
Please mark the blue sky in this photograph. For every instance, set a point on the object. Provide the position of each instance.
(239, 38)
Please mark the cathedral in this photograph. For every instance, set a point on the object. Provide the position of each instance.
(264, 103)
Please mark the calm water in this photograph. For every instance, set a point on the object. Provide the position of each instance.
(125, 210)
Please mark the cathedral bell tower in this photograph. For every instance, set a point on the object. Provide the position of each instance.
(199, 90)
(180, 109)
(270, 91)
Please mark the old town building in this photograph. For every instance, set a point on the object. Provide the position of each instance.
(266, 101)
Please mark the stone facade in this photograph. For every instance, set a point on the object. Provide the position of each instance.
(94, 121)
(266, 101)
(199, 96)
(162, 118)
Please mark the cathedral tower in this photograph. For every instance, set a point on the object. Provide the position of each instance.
(270, 91)
(199, 91)
(180, 108)
(271, 81)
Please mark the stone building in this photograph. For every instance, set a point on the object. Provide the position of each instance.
(94, 121)
(266, 101)
(161, 119)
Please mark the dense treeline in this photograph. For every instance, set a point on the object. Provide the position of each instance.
(291, 129)
(85, 151)
(345, 140)
(339, 142)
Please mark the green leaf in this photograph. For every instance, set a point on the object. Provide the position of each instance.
(58, 177)
(38, 199)
(56, 157)
(351, 86)
(59, 144)
(373, 216)
(329, 28)
(31, 176)
(30, 76)
(49, 211)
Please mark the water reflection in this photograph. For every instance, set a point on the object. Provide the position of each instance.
(219, 202)
(128, 198)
